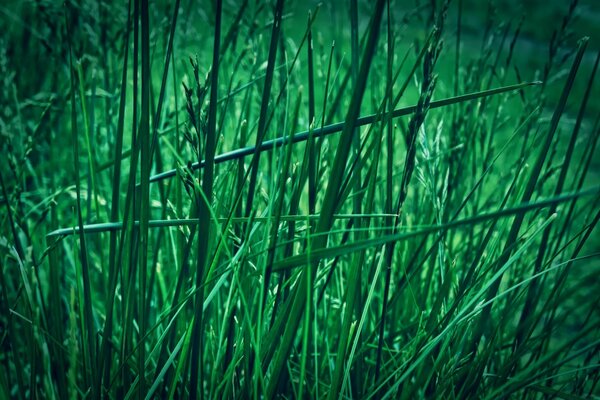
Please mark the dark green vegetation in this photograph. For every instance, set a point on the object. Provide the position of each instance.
(211, 200)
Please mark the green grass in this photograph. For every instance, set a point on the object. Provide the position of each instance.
(238, 199)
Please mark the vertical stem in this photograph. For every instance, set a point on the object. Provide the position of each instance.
(197, 368)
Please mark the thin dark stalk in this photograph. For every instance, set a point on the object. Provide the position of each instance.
(266, 94)
(389, 184)
(197, 364)
(105, 364)
(312, 158)
(145, 167)
(89, 328)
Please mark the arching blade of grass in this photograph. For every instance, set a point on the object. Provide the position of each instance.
(177, 222)
(330, 252)
(271, 144)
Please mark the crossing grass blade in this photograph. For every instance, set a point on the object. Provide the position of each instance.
(320, 254)
(271, 144)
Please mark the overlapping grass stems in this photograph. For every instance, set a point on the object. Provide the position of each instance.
(257, 240)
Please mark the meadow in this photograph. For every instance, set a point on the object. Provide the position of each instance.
(286, 199)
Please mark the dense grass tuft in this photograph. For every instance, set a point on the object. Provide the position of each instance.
(237, 199)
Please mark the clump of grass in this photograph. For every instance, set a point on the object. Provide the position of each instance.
(414, 224)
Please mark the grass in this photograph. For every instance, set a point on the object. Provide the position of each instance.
(292, 200)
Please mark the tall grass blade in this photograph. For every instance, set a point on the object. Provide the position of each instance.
(204, 231)
(88, 334)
